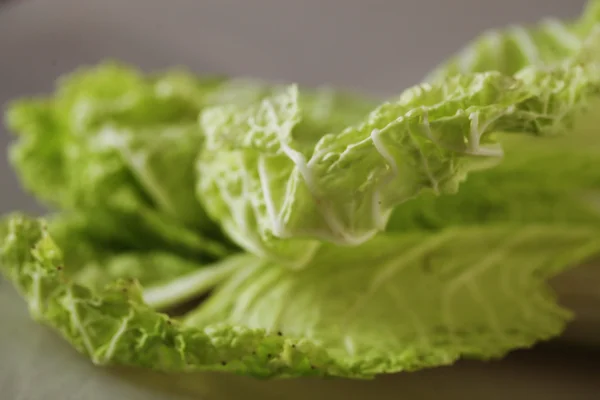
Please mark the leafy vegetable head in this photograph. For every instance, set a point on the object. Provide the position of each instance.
(421, 241)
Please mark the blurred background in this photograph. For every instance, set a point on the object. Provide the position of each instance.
(375, 46)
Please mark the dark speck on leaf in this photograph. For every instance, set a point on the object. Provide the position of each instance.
(461, 333)
(313, 367)
(279, 333)
(481, 330)
(293, 346)
(513, 332)
(59, 267)
(440, 330)
(427, 266)
(422, 358)
(223, 363)
(269, 355)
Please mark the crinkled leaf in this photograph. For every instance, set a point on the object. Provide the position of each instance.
(399, 302)
(415, 300)
(119, 145)
(511, 49)
(113, 326)
(279, 193)
(551, 181)
(324, 107)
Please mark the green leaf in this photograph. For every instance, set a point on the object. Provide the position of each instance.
(113, 326)
(39, 152)
(93, 262)
(397, 303)
(405, 302)
(554, 181)
(121, 146)
(279, 194)
(509, 50)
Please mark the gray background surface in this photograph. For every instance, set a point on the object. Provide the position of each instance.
(378, 46)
